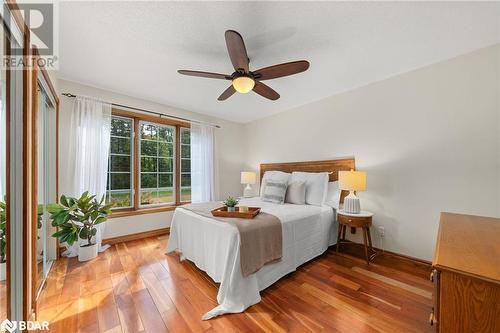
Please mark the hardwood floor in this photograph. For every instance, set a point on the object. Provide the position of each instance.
(135, 287)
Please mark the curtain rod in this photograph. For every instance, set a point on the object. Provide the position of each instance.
(70, 95)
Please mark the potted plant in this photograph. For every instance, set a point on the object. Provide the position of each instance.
(231, 203)
(77, 219)
(3, 241)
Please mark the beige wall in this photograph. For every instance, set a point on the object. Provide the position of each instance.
(428, 139)
(229, 143)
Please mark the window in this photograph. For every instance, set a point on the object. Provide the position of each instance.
(157, 164)
(119, 189)
(185, 164)
(149, 165)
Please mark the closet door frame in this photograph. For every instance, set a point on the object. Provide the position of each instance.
(17, 195)
(39, 76)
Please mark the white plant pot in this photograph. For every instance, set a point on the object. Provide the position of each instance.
(86, 253)
(3, 271)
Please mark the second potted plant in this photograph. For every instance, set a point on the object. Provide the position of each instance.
(77, 219)
(231, 203)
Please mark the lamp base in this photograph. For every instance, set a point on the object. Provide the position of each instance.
(247, 192)
(351, 204)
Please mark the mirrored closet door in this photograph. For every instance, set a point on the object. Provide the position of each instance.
(46, 181)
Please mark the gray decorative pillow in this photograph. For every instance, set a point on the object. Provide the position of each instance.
(296, 193)
(274, 191)
(273, 175)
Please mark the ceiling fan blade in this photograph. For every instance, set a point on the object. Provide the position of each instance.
(227, 93)
(205, 74)
(265, 91)
(288, 68)
(237, 51)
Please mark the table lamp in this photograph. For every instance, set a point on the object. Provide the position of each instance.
(352, 181)
(248, 178)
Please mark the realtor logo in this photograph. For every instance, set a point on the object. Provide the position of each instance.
(7, 325)
(41, 20)
(39, 17)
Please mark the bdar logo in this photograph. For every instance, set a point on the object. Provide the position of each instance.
(7, 325)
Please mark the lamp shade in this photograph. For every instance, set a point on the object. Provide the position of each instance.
(352, 180)
(248, 177)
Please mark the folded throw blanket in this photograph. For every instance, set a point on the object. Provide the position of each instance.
(261, 238)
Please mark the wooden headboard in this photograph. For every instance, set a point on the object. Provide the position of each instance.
(332, 166)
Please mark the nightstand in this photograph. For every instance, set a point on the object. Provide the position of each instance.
(362, 220)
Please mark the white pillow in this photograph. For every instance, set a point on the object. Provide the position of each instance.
(333, 195)
(275, 191)
(296, 193)
(316, 186)
(279, 176)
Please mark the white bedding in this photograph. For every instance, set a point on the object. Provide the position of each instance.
(214, 247)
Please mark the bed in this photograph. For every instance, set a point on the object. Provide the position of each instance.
(214, 247)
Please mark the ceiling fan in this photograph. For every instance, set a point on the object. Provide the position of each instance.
(243, 80)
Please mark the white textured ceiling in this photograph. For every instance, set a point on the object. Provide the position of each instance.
(136, 47)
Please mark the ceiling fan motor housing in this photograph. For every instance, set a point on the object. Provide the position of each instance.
(240, 73)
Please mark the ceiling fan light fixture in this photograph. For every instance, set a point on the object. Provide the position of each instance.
(243, 84)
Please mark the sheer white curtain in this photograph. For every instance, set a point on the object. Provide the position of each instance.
(88, 151)
(202, 163)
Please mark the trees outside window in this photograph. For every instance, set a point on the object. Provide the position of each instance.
(185, 164)
(119, 185)
(149, 163)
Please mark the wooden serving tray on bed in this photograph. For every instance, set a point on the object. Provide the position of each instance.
(222, 212)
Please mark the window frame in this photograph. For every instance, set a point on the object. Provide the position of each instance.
(132, 167)
(137, 208)
(181, 159)
(158, 173)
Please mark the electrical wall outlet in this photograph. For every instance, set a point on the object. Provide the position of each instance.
(381, 231)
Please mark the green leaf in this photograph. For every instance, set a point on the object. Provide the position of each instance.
(107, 207)
(72, 238)
(59, 219)
(59, 233)
(53, 208)
(101, 219)
(65, 237)
(64, 201)
(54, 215)
(84, 233)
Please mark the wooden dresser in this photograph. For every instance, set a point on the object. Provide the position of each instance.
(466, 274)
